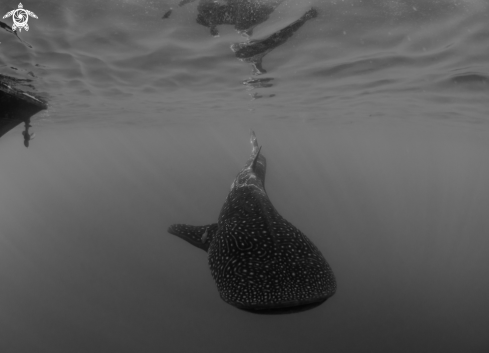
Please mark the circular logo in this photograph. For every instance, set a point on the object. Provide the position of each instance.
(20, 18)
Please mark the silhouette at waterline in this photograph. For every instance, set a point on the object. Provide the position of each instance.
(16, 107)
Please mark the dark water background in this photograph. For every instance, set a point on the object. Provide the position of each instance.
(377, 138)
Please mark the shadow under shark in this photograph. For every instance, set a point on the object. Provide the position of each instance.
(260, 261)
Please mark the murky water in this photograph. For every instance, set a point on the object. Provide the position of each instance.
(373, 119)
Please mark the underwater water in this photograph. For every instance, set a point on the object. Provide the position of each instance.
(373, 117)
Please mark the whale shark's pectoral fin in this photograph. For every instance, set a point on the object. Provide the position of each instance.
(200, 236)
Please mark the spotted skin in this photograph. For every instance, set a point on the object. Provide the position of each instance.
(258, 259)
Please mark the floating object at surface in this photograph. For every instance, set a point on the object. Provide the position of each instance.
(16, 105)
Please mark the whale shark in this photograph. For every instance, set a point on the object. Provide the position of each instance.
(253, 51)
(260, 262)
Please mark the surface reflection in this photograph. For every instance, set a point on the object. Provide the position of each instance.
(245, 16)
(253, 51)
(253, 83)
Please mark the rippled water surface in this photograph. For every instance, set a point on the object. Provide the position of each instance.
(373, 117)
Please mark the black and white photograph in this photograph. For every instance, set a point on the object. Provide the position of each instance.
(244, 176)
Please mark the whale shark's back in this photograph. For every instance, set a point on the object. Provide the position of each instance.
(260, 261)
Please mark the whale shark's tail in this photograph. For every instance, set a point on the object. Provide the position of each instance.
(254, 142)
(257, 161)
